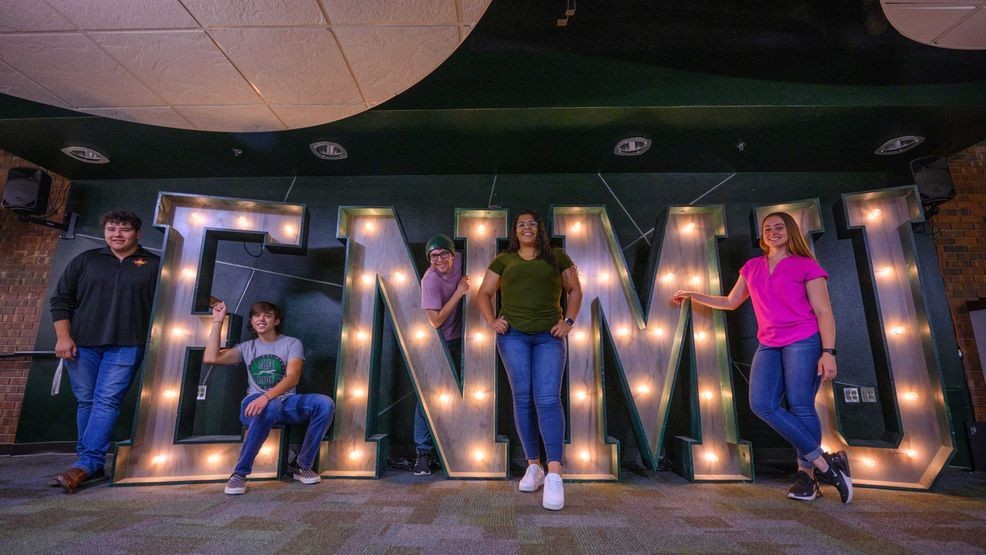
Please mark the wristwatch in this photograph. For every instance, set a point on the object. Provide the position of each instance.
(569, 321)
(829, 351)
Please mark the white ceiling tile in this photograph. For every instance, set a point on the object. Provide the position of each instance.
(184, 67)
(389, 60)
(242, 13)
(924, 23)
(240, 119)
(291, 66)
(125, 14)
(406, 12)
(971, 33)
(297, 116)
(14, 84)
(473, 10)
(19, 15)
(76, 68)
(160, 116)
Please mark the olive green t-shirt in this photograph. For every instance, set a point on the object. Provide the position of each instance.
(530, 290)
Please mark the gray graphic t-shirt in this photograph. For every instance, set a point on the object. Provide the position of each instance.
(267, 363)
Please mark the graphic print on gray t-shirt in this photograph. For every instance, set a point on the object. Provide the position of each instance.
(267, 363)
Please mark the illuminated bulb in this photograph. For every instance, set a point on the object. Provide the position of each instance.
(399, 277)
(643, 389)
(479, 395)
(657, 332)
(196, 218)
(158, 459)
(213, 459)
(899, 330)
(577, 227)
(910, 396)
(911, 454)
(700, 336)
(623, 331)
(479, 336)
(689, 227)
(481, 229)
(581, 395)
(289, 230)
(369, 227)
(873, 214)
(707, 395)
(868, 461)
(711, 457)
(479, 455)
(243, 221)
(479, 281)
(584, 455)
(358, 392)
(603, 277)
(695, 280)
(420, 334)
(169, 393)
(444, 398)
(825, 448)
(355, 454)
(668, 277)
(367, 279)
(362, 335)
(266, 451)
(579, 336)
(188, 274)
(179, 331)
(886, 271)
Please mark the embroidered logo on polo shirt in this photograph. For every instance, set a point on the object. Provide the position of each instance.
(140, 262)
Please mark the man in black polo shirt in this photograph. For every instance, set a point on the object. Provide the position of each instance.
(101, 309)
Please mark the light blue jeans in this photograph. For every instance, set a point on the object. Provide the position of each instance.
(535, 364)
(314, 408)
(790, 371)
(100, 378)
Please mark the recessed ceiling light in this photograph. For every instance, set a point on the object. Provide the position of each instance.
(86, 155)
(328, 150)
(898, 145)
(632, 146)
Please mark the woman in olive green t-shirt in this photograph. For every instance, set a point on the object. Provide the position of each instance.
(531, 328)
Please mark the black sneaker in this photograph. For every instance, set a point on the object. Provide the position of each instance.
(422, 465)
(805, 488)
(838, 474)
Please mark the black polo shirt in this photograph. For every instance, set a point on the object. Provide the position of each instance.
(108, 300)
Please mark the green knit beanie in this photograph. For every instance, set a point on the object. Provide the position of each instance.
(439, 242)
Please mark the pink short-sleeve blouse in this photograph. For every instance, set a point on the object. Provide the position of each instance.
(780, 299)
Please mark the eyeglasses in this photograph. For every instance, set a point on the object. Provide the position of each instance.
(443, 255)
(532, 224)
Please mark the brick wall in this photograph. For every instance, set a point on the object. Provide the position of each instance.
(26, 253)
(961, 242)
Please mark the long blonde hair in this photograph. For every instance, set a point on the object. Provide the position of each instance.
(795, 240)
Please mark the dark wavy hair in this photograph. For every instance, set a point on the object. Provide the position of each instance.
(121, 217)
(261, 307)
(542, 243)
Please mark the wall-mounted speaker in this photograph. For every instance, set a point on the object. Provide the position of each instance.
(933, 179)
(26, 191)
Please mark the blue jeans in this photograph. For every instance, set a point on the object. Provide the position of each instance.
(790, 371)
(100, 378)
(535, 363)
(314, 408)
(423, 441)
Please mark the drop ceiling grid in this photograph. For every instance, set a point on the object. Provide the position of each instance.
(171, 62)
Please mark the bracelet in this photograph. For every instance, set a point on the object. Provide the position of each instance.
(265, 395)
(215, 322)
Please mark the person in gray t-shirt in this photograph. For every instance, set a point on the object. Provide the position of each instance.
(273, 363)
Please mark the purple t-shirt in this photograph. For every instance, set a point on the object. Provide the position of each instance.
(436, 289)
(780, 300)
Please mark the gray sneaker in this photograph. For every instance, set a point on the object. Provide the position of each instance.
(838, 474)
(236, 484)
(306, 476)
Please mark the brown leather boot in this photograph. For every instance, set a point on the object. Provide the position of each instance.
(71, 478)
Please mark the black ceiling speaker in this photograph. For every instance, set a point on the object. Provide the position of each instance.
(933, 179)
(26, 191)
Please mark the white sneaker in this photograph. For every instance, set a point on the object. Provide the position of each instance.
(554, 492)
(533, 478)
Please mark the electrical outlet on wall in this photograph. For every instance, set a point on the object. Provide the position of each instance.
(868, 394)
(851, 394)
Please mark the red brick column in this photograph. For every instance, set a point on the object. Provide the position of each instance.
(961, 243)
(26, 254)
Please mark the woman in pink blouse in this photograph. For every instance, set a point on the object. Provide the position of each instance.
(796, 330)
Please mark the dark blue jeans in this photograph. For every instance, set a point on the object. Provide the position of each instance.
(299, 408)
(535, 364)
(423, 441)
(790, 371)
(100, 378)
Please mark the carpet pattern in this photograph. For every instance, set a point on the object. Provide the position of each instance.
(645, 513)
